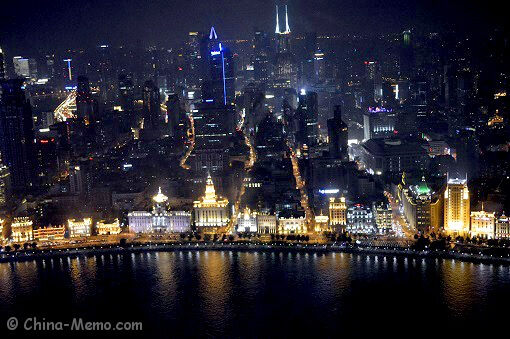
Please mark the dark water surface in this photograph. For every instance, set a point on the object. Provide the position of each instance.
(259, 294)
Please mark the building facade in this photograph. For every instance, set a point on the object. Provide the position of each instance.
(456, 208)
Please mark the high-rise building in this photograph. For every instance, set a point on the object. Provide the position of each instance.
(85, 104)
(127, 92)
(416, 202)
(308, 114)
(285, 73)
(151, 106)
(21, 67)
(17, 134)
(261, 56)
(338, 135)
(5, 183)
(378, 122)
(2, 65)
(218, 85)
(456, 207)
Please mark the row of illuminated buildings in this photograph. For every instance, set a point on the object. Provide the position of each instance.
(23, 230)
(449, 211)
(212, 214)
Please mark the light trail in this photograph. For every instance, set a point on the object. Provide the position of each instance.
(192, 143)
(65, 110)
(300, 184)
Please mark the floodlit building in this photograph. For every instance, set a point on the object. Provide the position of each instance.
(247, 221)
(211, 210)
(456, 208)
(360, 219)
(159, 219)
(503, 227)
(140, 222)
(2, 222)
(108, 228)
(79, 228)
(383, 217)
(50, 233)
(291, 224)
(338, 214)
(483, 224)
(266, 224)
(416, 202)
(22, 229)
(322, 223)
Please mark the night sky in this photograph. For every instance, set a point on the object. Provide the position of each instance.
(55, 24)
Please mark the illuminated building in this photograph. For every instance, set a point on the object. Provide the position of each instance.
(456, 207)
(79, 228)
(360, 219)
(307, 114)
(483, 224)
(322, 223)
(378, 122)
(140, 222)
(5, 183)
(211, 210)
(22, 229)
(21, 67)
(50, 233)
(416, 202)
(383, 217)
(285, 68)
(2, 64)
(247, 221)
(17, 134)
(105, 228)
(291, 223)
(159, 219)
(503, 227)
(266, 224)
(338, 214)
(393, 156)
(2, 223)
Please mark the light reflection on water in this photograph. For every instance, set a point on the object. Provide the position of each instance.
(235, 293)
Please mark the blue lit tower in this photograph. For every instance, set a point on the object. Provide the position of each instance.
(218, 84)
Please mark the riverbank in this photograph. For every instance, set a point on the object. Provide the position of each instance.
(259, 247)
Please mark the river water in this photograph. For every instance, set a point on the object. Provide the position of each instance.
(259, 294)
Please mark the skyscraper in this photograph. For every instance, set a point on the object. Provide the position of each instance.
(456, 207)
(151, 106)
(127, 89)
(85, 108)
(307, 115)
(285, 69)
(337, 134)
(17, 134)
(218, 85)
(2, 64)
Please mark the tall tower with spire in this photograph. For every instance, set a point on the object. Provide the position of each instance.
(285, 68)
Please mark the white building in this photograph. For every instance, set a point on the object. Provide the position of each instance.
(140, 222)
(266, 224)
(247, 221)
(160, 219)
(360, 219)
(79, 228)
(503, 227)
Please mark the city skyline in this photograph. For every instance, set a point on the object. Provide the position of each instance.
(156, 23)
